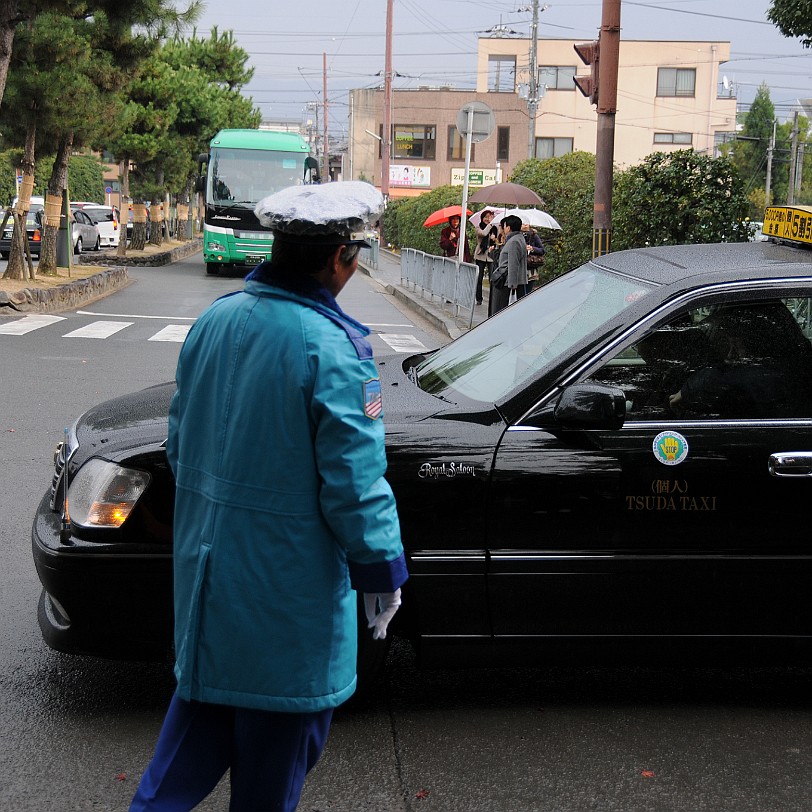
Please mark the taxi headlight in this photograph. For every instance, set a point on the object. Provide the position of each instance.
(104, 494)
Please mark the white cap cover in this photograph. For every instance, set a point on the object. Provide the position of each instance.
(341, 208)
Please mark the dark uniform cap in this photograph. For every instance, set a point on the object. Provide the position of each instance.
(329, 214)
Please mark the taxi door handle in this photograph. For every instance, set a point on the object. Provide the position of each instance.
(791, 464)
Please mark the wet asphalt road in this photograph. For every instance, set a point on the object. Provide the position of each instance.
(75, 733)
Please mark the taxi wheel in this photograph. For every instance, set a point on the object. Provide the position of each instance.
(78, 247)
(97, 247)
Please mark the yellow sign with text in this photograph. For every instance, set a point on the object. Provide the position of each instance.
(789, 223)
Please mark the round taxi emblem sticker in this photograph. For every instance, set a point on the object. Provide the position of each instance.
(670, 447)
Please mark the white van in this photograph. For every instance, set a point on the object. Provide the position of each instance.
(108, 220)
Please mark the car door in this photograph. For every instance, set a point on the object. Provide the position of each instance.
(87, 230)
(692, 518)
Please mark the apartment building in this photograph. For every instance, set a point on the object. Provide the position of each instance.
(671, 95)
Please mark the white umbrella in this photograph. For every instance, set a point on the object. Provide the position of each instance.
(476, 218)
(535, 217)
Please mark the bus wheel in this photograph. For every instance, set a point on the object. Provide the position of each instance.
(213, 268)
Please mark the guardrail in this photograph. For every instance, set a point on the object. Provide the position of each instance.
(440, 278)
(369, 256)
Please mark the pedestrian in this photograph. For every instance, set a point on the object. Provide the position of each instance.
(449, 240)
(535, 255)
(276, 442)
(482, 256)
(510, 273)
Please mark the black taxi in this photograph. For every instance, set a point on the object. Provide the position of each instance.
(617, 464)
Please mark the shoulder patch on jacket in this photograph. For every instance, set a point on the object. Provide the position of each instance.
(373, 402)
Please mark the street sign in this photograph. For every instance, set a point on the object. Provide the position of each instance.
(483, 121)
(108, 190)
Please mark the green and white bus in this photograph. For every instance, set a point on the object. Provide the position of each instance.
(241, 168)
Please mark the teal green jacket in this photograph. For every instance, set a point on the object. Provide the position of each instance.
(276, 441)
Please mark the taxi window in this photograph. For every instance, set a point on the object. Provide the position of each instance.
(520, 341)
(747, 360)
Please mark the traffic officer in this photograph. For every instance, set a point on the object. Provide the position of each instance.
(276, 441)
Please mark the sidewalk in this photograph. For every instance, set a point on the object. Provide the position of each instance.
(388, 274)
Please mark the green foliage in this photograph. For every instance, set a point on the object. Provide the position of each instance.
(782, 157)
(85, 176)
(177, 102)
(9, 161)
(390, 220)
(750, 156)
(793, 19)
(411, 213)
(677, 198)
(567, 186)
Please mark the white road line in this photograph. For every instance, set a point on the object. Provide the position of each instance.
(135, 316)
(172, 332)
(28, 323)
(371, 324)
(98, 329)
(403, 342)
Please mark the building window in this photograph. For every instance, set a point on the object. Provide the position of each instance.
(503, 143)
(557, 78)
(676, 81)
(552, 147)
(413, 141)
(501, 73)
(673, 138)
(456, 145)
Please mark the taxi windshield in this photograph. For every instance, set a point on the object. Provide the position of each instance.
(520, 341)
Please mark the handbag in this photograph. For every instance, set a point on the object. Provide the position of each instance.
(498, 277)
(535, 260)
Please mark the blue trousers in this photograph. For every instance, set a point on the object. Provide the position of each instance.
(269, 755)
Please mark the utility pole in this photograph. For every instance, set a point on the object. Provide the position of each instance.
(793, 161)
(533, 89)
(533, 84)
(386, 146)
(770, 151)
(605, 145)
(325, 174)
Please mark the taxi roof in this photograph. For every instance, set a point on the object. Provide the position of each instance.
(680, 265)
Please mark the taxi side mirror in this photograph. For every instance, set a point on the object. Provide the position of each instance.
(591, 406)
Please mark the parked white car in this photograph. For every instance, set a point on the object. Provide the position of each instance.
(107, 220)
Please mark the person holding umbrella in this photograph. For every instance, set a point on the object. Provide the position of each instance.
(449, 239)
(484, 240)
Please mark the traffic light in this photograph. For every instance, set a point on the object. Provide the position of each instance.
(588, 85)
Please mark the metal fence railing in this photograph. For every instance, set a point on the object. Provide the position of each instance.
(369, 256)
(440, 278)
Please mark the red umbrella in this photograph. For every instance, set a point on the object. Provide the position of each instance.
(442, 215)
(506, 194)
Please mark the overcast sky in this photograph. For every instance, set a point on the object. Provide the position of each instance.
(435, 43)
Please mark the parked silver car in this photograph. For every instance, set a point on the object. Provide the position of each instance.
(85, 232)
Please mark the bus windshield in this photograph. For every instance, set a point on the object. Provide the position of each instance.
(243, 177)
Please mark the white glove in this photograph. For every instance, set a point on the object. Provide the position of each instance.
(380, 608)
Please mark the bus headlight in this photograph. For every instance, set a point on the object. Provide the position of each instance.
(215, 246)
(104, 494)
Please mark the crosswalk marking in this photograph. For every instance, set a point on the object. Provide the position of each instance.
(28, 323)
(98, 329)
(176, 333)
(172, 332)
(403, 342)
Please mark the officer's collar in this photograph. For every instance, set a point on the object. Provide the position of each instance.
(302, 284)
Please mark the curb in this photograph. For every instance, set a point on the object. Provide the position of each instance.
(83, 291)
(64, 297)
(149, 260)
